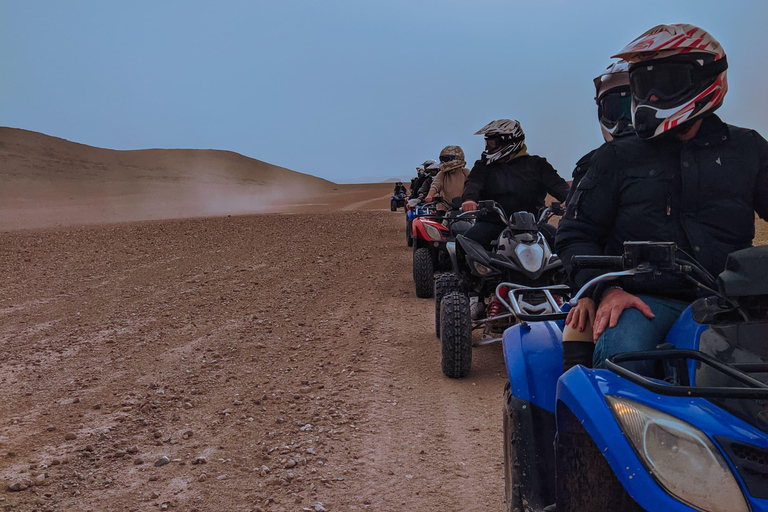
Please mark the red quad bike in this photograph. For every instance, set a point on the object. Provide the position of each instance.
(430, 234)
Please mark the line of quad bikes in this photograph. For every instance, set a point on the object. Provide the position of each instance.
(610, 439)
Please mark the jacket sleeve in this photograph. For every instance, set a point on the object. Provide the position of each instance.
(425, 186)
(437, 183)
(553, 183)
(761, 188)
(588, 221)
(473, 188)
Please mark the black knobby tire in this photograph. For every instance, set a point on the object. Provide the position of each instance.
(512, 481)
(423, 272)
(455, 335)
(444, 283)
(392, 206)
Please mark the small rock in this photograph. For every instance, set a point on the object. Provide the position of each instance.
(290, 464)
(97, 406)
(138, 461)
(154, 495)
(120, 454)
(162, 461)
(305, 389)
(202, 478)
(320, 508)
(39, 480)
(70, 436)
(55, 462)
(133, 449)
(221, 477)
(199, 460)
(187, 434)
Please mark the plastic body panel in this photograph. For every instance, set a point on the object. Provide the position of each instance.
(533, 355)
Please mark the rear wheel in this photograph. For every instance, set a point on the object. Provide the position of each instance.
(455, 335)
(444, 284)
(423, 272)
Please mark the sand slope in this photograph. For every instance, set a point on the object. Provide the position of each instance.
(49, 181)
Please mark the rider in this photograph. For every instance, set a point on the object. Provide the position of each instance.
(421, 178)
(412, 189)
(399, 188)
(449, 182)
(614, 111)
(687, 178)
(432, 171)
(507, 174)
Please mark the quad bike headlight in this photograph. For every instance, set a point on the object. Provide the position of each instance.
(482, 269)
(680, 457)
(433, 232)
(530, 256)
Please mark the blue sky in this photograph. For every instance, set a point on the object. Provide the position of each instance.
(348, 90)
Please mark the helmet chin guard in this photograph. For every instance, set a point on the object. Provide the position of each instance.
(508, 135)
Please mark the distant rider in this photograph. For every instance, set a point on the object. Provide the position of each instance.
(421, 178)
(507, 174)
(449, 182)
(432, 171)
(399, 188)
(687, 178)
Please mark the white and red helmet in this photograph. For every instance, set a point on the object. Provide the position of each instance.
(677, 73)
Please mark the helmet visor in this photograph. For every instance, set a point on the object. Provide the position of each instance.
(668, 82)
(447, 158)
(613, 106)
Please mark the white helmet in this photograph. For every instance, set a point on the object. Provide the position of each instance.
(503, 137)
(614, 100)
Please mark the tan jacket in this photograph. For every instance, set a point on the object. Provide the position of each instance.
(448, 185)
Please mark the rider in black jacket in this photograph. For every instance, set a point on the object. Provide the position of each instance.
(507, 174)
(688, 178)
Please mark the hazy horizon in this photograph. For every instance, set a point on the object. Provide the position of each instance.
(346, 91)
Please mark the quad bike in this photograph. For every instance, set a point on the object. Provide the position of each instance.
(610, 439)
(397, 201)
(431, 233)
(416, 208)
(465, 298)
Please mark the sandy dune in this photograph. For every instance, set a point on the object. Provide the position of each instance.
(48, 181)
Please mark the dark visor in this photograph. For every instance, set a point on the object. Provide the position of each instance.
(614, 106)
(447, 158)
(671, 80)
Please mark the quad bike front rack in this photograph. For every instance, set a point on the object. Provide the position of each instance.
(525, 312)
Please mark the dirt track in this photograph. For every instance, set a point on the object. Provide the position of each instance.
(288, 350)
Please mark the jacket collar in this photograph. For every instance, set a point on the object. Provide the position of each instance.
(713, 131)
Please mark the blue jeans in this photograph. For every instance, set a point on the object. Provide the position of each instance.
(634, 332)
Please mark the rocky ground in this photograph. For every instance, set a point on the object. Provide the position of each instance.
(266, 362)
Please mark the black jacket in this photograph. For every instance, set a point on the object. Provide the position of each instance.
(518, 184)
(583, 165)
(701, 194)
(417, 185)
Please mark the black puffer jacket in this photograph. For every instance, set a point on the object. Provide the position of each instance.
(701, 194)
(518, 184)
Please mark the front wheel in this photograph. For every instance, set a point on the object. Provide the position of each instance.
(455, 335)
(392, 206)
(512, 481)
(423, 272)
(444, 283)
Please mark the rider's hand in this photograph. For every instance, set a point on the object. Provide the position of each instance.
(429, 199)
(582, 315)
(468, 206)
(421, 196)
(614, 302)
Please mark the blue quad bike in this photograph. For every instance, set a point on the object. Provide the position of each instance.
(610, 439)
(397, 201)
